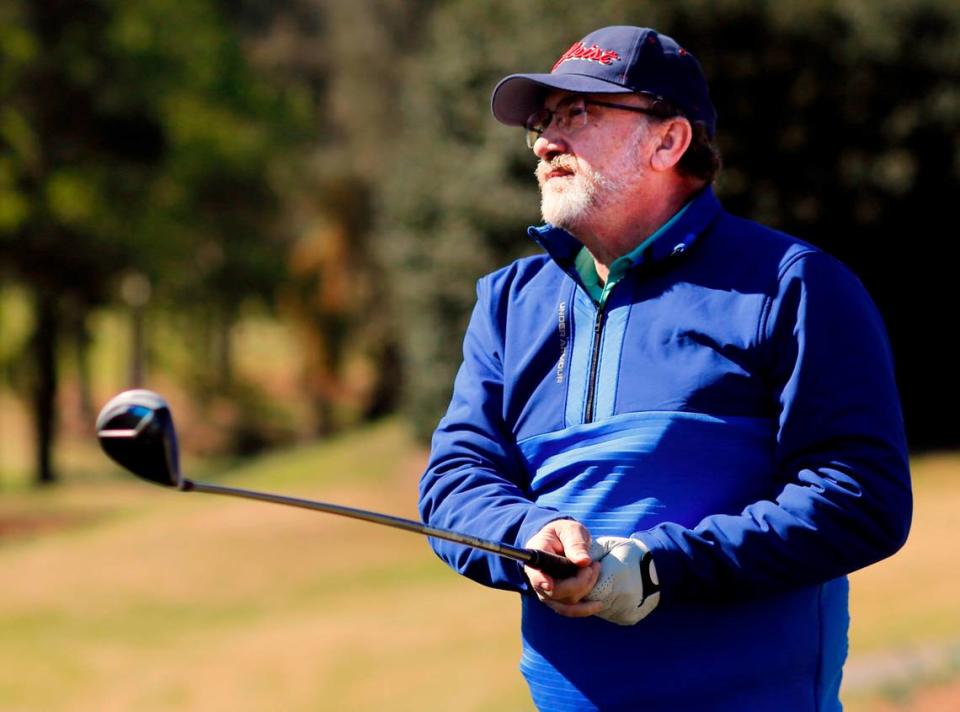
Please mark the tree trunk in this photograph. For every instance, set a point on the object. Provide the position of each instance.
(81, 344)
(44, 396)
(386, 390)
(138, 347)
(223, 348)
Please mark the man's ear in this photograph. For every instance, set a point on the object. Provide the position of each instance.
(674, 135)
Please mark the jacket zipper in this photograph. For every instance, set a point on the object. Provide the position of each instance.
(594, 364)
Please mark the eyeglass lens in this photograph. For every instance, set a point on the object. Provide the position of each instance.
(570, 115)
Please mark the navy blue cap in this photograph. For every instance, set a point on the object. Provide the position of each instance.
(613, 60)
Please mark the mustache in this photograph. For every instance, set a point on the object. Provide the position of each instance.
(561, 162)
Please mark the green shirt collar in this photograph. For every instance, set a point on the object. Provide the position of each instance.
(587, 268)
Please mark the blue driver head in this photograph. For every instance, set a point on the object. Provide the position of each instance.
(136, 430)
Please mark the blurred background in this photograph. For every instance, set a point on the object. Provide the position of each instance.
(274, 213)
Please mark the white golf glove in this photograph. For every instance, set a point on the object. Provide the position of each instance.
(628, 585)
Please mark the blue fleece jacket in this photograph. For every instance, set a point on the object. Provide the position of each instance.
(732, 405)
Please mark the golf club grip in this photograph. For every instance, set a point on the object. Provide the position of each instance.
(557, 566)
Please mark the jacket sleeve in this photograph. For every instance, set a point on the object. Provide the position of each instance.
(474, 482)
(843, 497)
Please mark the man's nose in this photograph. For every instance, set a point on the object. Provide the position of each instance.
(549, 145)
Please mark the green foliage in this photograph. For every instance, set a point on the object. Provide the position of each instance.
(251, 153)
(135, 137)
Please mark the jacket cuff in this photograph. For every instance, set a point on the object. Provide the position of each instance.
(668, 561)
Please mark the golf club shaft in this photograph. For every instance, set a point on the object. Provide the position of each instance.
(557, 566)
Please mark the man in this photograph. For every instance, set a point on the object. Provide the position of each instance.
(697, 410)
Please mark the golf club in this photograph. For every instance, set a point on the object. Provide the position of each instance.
(136, 430)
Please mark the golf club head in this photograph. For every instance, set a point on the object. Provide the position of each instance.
(136, 430)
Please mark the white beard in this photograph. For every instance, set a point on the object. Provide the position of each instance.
(575, 201)
(571, 201)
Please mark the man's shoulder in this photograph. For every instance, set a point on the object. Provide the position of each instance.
(738, 240)
(765, 256)
(746, 234)
(522, 273)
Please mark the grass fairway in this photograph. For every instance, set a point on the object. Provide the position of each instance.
(129, 597)
(119, 596)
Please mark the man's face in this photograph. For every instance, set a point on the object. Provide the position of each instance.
(589, 171)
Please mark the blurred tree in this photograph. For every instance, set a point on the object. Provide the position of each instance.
(133, 138)
(326, 294)
(350, 54)
(838, 121)
(72, 152)
(233, 135)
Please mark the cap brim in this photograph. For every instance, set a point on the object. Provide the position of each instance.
(516, 97)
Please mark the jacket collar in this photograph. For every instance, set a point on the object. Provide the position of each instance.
(675, 241)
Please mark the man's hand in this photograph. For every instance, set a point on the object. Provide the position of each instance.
(566, 537)
(628, 588)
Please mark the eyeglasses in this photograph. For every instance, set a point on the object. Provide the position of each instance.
(571, 115)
